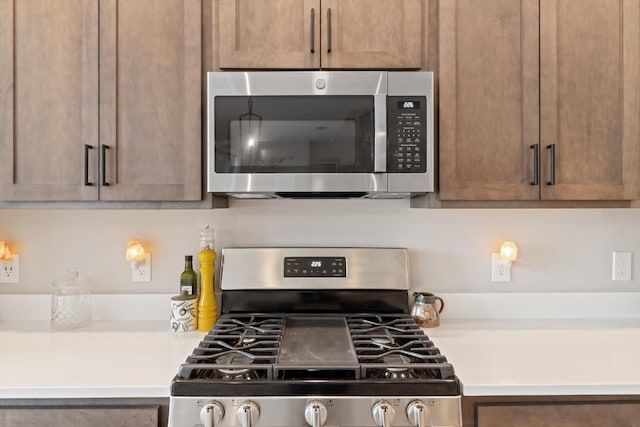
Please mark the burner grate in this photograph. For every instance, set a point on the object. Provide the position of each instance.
(395, 348)
(389, 347)
(241, 347)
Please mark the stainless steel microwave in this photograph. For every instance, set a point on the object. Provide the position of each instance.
(320, 134)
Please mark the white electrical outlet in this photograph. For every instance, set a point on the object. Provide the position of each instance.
(500, 269)
(142, 271)
(10, 270)
(622, 263)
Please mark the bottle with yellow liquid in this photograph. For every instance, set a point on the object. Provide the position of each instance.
(207, 306)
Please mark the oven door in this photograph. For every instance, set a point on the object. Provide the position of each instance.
(281, 132)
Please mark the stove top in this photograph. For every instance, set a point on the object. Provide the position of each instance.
(286, 353)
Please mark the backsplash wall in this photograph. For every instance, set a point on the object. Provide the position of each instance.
(560, 250)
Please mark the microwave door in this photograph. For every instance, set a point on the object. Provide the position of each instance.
(298, 143)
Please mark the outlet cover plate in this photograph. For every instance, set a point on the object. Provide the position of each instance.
(500, 269)
(622, 264)
(10, 270)
(142, 271)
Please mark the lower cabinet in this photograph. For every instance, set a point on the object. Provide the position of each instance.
(84, 412)
(552, 411)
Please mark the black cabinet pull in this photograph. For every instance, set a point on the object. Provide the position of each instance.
(552, 159)
(103, 162)
(313, 32)
(87, 147)
(329, 30)
(536, 156)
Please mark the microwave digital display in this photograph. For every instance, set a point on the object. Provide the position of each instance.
(408, 105)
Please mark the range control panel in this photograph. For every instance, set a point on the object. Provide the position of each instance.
(315, 267)
(407, 134)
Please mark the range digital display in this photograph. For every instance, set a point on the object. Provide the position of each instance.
(315, 267)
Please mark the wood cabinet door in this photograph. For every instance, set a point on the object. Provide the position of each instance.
(80, 417)
(560, 415)
(590, 98)
(150, 99)
(269, 33)
(374, 34)
(489, 99)
(48, 100)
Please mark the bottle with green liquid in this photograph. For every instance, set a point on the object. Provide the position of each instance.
(188, 278)
(207, 306)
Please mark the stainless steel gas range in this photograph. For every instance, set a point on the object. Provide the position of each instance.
(315, 337)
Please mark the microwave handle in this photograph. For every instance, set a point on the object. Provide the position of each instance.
(380, 133)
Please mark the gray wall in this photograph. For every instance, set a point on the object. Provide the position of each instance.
(565, 250)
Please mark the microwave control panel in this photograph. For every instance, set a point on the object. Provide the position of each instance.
(407, 134)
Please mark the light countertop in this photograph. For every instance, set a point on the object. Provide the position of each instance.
(115, 359)
(109, 359)
(543, 356)
(584, 347)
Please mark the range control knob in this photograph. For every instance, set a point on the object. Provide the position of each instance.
(211, 414)
(315, 414)
(418, 414)
(248, 414)
(383, 413)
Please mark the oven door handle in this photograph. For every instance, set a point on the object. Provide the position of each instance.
(380, 134)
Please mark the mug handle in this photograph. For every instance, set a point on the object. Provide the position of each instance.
(441, 304)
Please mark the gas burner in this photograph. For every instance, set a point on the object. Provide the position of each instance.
(400, 374)
(247, 340)
(395, 372)
(396, 359)
(383, 341)
(248, 375)
(233, 373)
(234, 359)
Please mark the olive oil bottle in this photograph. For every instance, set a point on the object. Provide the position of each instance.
(188, 278)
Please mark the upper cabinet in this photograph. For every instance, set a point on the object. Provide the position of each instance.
(308, 34)
(539, 100)
(48, 99)
(590, 99)
(489, 87)
(269, 33)
(101, 100)
(150, 99)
